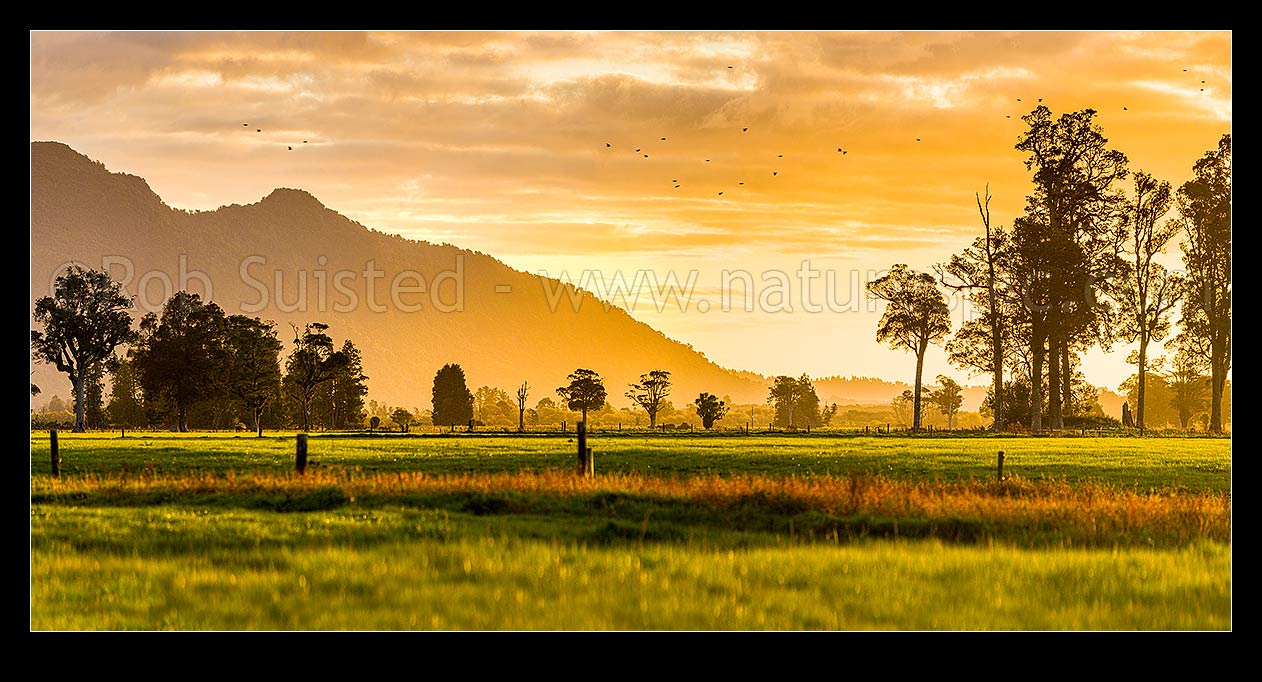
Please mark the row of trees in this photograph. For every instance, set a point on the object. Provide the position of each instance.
(1078, 268)
(794, 401)
(192, 364)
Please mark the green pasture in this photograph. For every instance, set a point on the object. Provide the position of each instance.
(155, 569)
(1194, 464)
(111, 561)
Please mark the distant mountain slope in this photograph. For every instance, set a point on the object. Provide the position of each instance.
(873, 391)
(495, 321)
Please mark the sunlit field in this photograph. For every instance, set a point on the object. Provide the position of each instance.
(785, 532)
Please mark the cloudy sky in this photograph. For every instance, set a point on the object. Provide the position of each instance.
(545, 150)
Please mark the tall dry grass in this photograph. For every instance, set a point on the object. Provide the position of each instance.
(1089, 511)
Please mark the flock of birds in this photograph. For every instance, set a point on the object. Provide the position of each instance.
(259, 130)
(677, 184)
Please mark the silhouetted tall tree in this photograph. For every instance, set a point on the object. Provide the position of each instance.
(339, 402)
(1189, 385)
(523, 392)
(126, 404)
(1069, 239)
(795, 402)
(586, 391)
(181, 355)
(312, 362)
(916, 315)
(401, 417)
(1205, 212)
(453, 402)
(1150, 291)
(83, 321)
(949, 397)
(94, 416)
(710, 409)
(650, 393)
(252, 364)
(979, 344)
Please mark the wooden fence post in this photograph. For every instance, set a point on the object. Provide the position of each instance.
(56, 456)
(589, 464)
(301, 462)
(581, 430)
(1001, 465)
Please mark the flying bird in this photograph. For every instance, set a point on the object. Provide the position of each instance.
(646, 156)
(247, 125)
(1008, 116)
(1185, 71)
(1124, 109)
(608, 145)
(774, 173)
(291, 149)
(844, 152)
(720, 194)
(708, 160)
(745, 130)
(731, 67)
(740, 183)
(779, 156)
(1202, 82)
(1018, 99)
(304, 141)
(259, 130)
(637, 150)
(663, 139)
(1040, 99)
(676, 186)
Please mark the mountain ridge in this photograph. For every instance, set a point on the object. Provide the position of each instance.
(289, 258)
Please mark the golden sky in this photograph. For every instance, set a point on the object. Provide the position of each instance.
(497, 141)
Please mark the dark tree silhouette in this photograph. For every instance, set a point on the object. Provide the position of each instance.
(83, 321)
(916, 315)
(453, 402)
(1150, 291)
(948, 397)
(586, 391)
(126, 403)
(980, 343)
(710, 409)
(180, 356)
(1069, 240)
(401, 417)
(374, 422)
(94, 416)
(523, 392)
(1189, 384)
(1205, 211)
(650, 393)
(312, 362)
(339, 402)
(252, 364)
(795, 401)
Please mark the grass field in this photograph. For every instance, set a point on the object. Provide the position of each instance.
(214, 531)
